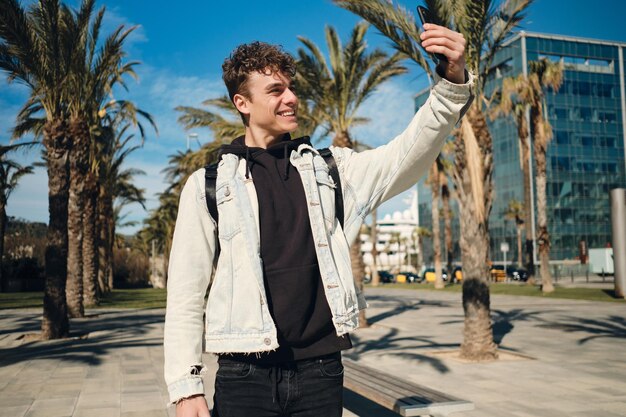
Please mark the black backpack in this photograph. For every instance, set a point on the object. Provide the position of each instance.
(210, 178)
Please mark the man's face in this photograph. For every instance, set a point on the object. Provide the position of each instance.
(272, 105)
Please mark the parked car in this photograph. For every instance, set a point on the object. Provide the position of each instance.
(517, 274)
(429, 275)
(498, 274)
(386, 277)
(408, 277)
(457, 274)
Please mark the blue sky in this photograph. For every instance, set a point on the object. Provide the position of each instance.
(182, 44)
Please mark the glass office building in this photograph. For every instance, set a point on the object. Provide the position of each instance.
(586, 157)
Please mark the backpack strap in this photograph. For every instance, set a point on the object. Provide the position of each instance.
(210, 179)
(334, 173)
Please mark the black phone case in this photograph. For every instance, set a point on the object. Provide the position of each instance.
(427, 17)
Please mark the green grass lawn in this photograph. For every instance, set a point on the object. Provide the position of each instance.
(155, 298)
(589, 294)
(132, 298)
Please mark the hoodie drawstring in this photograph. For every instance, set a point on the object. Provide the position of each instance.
(287, 163)
(247, 162)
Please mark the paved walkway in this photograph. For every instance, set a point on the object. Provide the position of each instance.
(560, 358)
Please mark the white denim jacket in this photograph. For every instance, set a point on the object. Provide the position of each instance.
(237, 317)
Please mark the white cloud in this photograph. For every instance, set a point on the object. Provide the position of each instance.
(390, 109)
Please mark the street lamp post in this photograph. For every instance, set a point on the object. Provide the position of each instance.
(191, 135)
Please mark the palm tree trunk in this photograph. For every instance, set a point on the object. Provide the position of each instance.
(55, 323)
(374, 239)
(79, 159)
(447, 219)
(3, 225)
(434, 210)
(520, 258)
(90, 253)
(102, 243)
(472, 179)
(522, 130)
(110, 242)
(358, 271)
(543, 236)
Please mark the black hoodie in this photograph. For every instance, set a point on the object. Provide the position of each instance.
(295, 292)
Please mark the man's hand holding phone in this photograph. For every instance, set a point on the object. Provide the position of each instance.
(448, 45)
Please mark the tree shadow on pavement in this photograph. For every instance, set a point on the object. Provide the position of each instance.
(104, 335)
(402, 347)
(400, 306)
(612, 327)
(503, 321)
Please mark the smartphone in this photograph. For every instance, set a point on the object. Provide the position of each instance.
(427, 17)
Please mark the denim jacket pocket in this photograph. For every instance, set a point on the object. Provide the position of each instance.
(326, 187)
(229, 225)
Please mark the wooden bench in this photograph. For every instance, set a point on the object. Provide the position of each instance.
(402, 397)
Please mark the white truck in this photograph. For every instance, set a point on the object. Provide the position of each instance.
(601, 261)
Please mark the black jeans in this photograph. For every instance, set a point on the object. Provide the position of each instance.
(305, 388)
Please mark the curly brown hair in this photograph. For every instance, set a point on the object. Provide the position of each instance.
(256, 56)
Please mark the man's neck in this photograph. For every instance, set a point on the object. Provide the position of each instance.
(260, 139)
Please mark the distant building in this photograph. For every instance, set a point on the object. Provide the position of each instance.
(396, 245)
(586, 157)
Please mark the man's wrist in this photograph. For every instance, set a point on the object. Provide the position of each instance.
(180, 400)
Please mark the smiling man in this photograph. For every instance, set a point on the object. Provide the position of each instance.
(281, 299)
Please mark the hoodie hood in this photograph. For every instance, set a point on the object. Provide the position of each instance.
(255, 155)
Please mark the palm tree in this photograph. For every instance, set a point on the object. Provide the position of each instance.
(513, 100)
(34, 51)
(10, 174)
(543, 74)
(116, 183)
(336, 90)
(517, 95)
(515, 211)
(374, 239)
(485, 27)
(435, 188)
(418, 234)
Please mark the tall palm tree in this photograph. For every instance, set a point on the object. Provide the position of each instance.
(515, 211)
(95, 73)
(336, 89)
(116, 183)
(517, 95)
(34, 51)
(543, 74)
(485, 26)
(434, 182)
(418, 235)
(10, 174)
(512, 99)
(374, 240)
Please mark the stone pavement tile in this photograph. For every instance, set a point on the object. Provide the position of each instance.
(23, 389)
(100, 386)
(100, 400)
(141, 376)
(56, 403)
(142, 402)
(145, 413)
(614, 407)
(143, 386)
(60, 390)
(10, 411)
(97, 412)
(15, 400)
(52, 412)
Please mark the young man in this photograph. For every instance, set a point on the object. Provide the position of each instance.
(282, 299)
